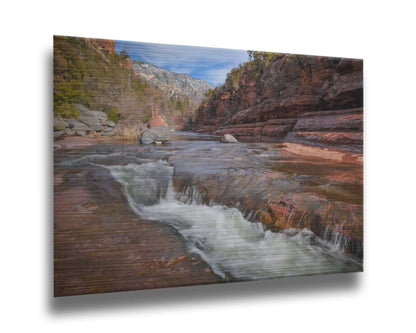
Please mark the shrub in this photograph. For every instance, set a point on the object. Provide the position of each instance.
(67, 111)
(113, 114)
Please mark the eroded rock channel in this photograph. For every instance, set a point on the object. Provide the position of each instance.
(228, 212)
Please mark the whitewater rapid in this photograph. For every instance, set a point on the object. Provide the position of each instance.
(235, 248)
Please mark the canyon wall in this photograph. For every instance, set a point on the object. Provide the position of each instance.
(293, 98)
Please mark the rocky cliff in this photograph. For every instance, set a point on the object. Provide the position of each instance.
(89, 72)
(173, 84)
(292, 98)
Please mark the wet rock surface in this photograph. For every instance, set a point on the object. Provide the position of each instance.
(281, 185)
(103, 245)
(100, 245)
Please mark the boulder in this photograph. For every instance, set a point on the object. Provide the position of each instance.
(108, 129)
(159, 133)
(88, 122)
(78, 127)
(93, 123)
(93, 119)
(228, 138)
(69, 132)
(58, 134)
(108, 123)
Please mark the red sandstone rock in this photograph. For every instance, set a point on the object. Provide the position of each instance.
(157, 121)
(310, 187)
(330, 122)
(276, 131)
(105, 44)
(127, 63)
(101, 245)
(249, 97)
(290, 87)
(332, 137)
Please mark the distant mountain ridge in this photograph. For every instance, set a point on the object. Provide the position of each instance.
(173, 84)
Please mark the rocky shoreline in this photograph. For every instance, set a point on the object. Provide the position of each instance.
(89, 123)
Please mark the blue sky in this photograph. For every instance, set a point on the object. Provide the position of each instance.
(210, 64)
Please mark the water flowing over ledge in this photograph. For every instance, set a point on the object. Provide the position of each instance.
(235, 248)
(221, 199)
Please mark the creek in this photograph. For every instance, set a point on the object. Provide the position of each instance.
(225, 235)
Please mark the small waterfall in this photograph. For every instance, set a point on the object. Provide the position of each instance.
(336, 239)
(235, 248)
(145, 184)
(331, 238)
(190, 195)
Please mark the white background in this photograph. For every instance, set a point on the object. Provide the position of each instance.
(381, 299)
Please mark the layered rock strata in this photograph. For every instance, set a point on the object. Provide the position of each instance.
(298, 187)
(335, 129)
(309, 100)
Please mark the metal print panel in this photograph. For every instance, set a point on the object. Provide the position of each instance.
(179, 165)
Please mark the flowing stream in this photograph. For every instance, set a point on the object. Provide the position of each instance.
(235, 248)
(232, 246)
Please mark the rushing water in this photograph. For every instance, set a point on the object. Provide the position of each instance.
(235, 248)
